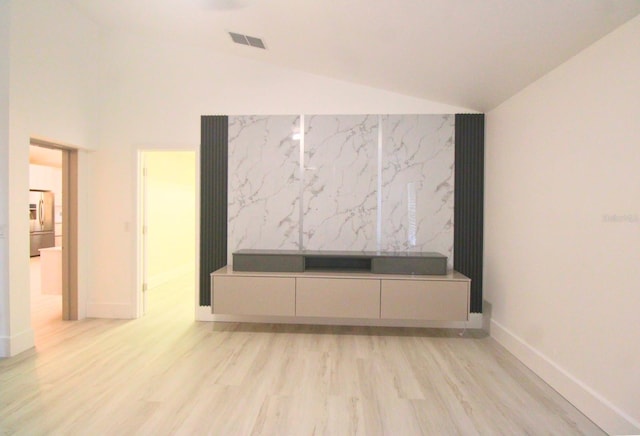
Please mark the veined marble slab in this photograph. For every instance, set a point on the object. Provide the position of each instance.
(264, 183)
(335, 204)
(340, 182)
(418, 154)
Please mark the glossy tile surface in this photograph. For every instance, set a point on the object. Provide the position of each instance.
(365, 182)
(264, 183)
(418, 154)
(340, 182)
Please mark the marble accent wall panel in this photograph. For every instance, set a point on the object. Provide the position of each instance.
(264, 183)
(340, 182)
(418, 154)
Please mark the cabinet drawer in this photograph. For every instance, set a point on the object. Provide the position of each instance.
(273, 296)
(339, 298)
(440, 300)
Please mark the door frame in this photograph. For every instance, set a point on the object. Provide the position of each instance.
(69, 225)
(141, 224)
(142, 261)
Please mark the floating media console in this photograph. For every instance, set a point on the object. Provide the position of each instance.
(328, 287)
(355, 261)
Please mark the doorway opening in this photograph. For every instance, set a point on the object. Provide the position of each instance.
(45, 235)
(167, 232)
(53, 197)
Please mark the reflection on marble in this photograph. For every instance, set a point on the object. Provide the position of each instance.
(264, 183)
(340, 182)
(417, 183)
(337, 198)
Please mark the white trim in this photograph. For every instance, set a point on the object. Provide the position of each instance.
(593, 404)
(138, 297)
(111, 311)
(12, 345)
(41, 141)
(204, 314)
(196, 247)
(5, 345)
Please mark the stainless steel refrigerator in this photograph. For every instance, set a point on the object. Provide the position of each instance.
(41, 226)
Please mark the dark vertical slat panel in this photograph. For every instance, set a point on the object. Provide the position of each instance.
(214, 150)
(469, 202)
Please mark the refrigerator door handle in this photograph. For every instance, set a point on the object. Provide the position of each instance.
(40, 212)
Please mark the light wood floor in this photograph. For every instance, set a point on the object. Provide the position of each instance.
(166, 374)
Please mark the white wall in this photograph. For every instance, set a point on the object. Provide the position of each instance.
(562, 228)
(5, 331)
(154, 96)
(52, 72)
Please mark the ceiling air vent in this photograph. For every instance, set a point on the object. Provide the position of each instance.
(247, 40)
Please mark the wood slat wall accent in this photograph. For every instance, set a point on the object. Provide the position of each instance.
(469, 202)
(214, 151)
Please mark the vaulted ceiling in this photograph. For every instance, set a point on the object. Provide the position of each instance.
(469, 53)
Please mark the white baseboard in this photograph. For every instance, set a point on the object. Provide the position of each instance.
(203, 313)
(12, 345)
(166, 276)
(596, 407)
(111, 311)
(5, 346)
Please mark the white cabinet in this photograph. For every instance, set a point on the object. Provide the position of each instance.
(46, 178)
(340, 298)
(235, 295)
(327, 295)
(437, 300)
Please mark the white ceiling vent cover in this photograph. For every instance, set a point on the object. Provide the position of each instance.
(239, 38)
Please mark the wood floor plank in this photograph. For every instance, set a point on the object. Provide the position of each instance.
(166, 374)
